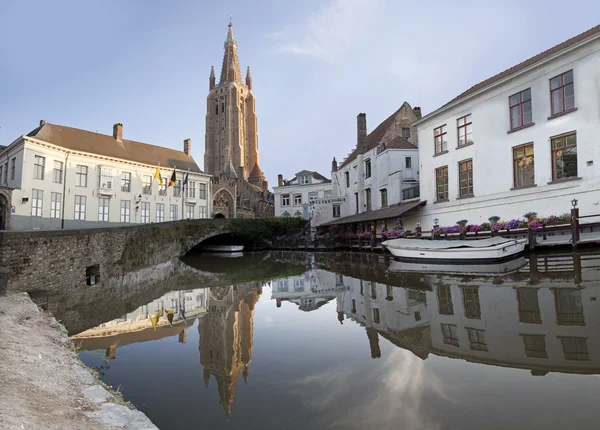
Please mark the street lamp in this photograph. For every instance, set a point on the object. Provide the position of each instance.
(436, 221)
(574, 203)
(418, 223)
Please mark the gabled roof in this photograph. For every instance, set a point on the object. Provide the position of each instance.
(399, 142)
(531, 61)
(95, 143)
(313, 174)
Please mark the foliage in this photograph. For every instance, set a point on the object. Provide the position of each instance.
(264, 229)
(530, 215)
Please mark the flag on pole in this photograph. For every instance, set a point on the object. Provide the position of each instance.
(173, 179)
(158, 177)
(185, 180)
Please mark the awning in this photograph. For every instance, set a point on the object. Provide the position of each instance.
(385, 213)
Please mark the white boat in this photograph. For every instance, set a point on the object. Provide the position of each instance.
(482, 269)
(456, 251)
(223, 248)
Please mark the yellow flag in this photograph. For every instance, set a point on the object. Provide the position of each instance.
(158, 177)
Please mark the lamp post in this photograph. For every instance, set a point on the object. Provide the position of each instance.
(434, 231)
(418, 229)
(574, 223)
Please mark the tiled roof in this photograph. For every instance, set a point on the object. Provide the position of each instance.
(527, 63)
(102, 144)
(373, 138)
(399, 142)
(256, 172)
(384, 213)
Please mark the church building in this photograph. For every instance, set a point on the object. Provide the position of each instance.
(240, 189)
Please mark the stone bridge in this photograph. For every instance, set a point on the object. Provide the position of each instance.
(55, 260)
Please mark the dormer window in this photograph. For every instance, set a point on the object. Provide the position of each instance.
(305, 180)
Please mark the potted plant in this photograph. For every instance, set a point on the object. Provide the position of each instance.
(530, 216)
(493, 219)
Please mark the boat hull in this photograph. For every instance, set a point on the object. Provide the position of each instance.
(481, 269)
(223, 248)
(493, 254)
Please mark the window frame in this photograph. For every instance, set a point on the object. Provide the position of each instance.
(55, 205)
(468, 121)
(368, 168)
(59, 171)
(80, 209)
(347, 175)
(437, 193)
(160, 212)
(284, 198)
(297, 199)
(39, 169)
(13, 167)
(516, 160)
(534, 348)
(368, 200)
(125, 211)
(189, 209)
(444, 296)
(202, 190)
(173, 212)
(521, 106)
(81, 176)
(470, 181)
(337, 214)
(126, 182)
(104, 209)
(145, 212)
(562, 88)
(450, 338)
(191, 190)
(405, 132)
(440, 132)
(408, 162)
(147, 184)
(554, 151)
(203, 214)
(356, 202)
(384, 197)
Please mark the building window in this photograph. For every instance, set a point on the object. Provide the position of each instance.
(126, 182)
(125, 211)
(376, 317)
(55, 205)
(408, 162)
(564, 157)
(57, 172)
(203, 212)
(445, 300)
(327, 194)
(81, 176)
(285, 200)
(37, 198)
(147, 184)
(304, 180)
(367, 168)
(535, 345)
(529, 306)
(471, 302)
(520, 109)
(39, 165)
(160, 212)
(189, 212)
(356, 201)
(297, 199)
(177, 188)
(313, 195)
(80, 203)
(202, 191)
(465, 176)
(405, 132)
(562, 93)
(569, 306)
(103, 205)
(477, 339)
(523, 168)
(353, 306)
(465, 130)
(13, 166)
(336, 211)
(162, 189)
(575, 348)
(440, 136)
(174, 213)
(347, 175)
(106, 178)
(384, 199)
(368, 199)
(373, 290)
(450, 334)
(145, 213)
(191, 191)
(441, 181)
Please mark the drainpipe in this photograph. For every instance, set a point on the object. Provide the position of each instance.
(64, 196)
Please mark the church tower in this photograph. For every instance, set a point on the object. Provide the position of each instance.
(231, 124)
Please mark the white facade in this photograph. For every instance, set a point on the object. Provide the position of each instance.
(308, 291)
(307, 195)
(54, 187)
(543, 181)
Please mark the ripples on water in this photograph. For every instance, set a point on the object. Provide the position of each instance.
(350, 341)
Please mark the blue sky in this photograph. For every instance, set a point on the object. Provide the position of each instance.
(315, 64)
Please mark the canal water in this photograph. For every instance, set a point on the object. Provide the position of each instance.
(355, 341)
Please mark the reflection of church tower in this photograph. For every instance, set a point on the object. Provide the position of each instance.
(226, 332)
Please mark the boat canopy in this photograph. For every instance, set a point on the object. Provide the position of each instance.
(446, 244)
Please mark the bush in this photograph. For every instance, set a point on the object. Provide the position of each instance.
(266, 229)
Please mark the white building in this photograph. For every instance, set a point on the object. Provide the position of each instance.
(522, 141)
(309, 291)
(381, 175)
(307, 195)
(63, 177)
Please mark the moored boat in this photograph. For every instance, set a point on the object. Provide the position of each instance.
(223, 248)
(456, 251)
(481, 269)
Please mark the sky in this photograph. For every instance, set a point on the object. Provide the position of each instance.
(315, 64)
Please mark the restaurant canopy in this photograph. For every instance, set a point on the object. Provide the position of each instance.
(384, 213)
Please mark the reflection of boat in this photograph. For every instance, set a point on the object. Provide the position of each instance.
(462, 269)
(224, 254)
(223, 248)
(456, 251)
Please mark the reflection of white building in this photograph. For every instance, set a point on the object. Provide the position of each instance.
(545, 322)
(309, 291)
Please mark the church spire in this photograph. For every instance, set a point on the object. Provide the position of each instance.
(249, 79)
(230, 70)
(211, 79)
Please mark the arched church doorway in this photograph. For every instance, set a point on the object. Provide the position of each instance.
(223, 204)
(219, 215)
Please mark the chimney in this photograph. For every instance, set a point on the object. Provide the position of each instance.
(42, 122)
(118, 132)
(187, 147)
(361, 132)
(334, 166)
(417, 111)
(280, 180)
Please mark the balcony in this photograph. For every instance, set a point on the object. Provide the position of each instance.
(411, 193)
(106, 191)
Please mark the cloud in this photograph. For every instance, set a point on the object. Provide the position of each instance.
(331, 32)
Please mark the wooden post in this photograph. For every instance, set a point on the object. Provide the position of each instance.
(531, 237)
(575, 226)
